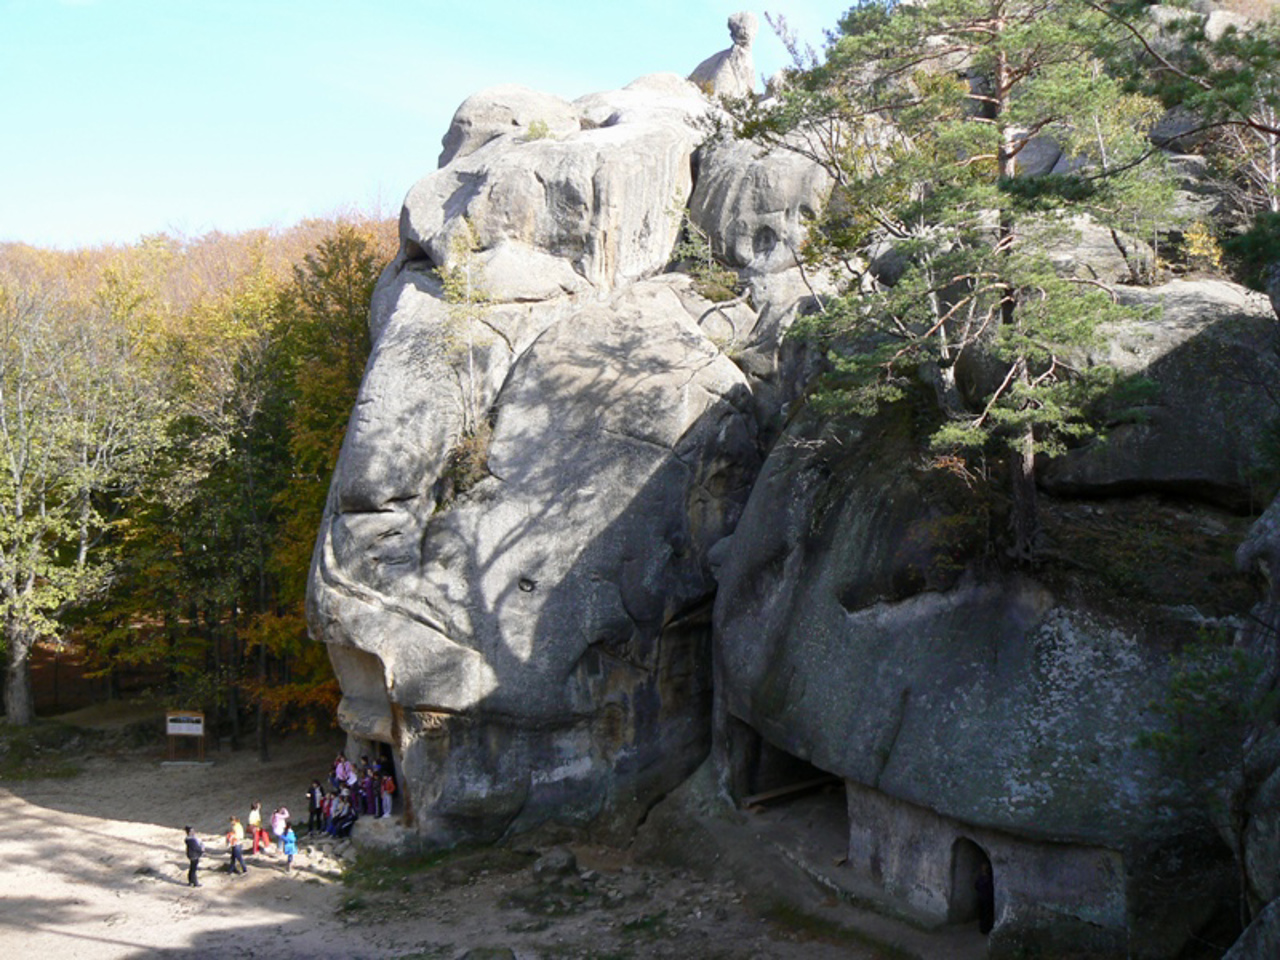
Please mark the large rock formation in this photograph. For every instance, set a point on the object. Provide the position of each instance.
(542, 494)
(853, 632)
(602, 201)
(513, 573)
(976, 715)
(535, 644)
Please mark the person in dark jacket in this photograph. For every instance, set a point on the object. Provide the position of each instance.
(315, 801)
(195, 850)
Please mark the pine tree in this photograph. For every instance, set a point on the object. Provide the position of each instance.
(923, 114)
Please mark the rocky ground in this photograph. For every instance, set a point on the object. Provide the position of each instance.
(94, 869)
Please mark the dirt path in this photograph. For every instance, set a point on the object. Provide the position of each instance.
(93, 869)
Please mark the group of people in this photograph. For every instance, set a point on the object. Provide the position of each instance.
(355, 790)
(281, 836)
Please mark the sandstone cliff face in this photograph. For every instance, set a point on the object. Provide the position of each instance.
(858, 628)
(539, 502)
(513, 575)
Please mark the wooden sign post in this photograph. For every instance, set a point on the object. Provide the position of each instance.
(184, 723)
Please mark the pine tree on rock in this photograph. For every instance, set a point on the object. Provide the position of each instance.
(925, 116)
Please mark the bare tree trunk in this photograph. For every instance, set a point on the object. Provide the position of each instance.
(233, 710)
(262, 708)
(19, 707)
(1022, 470)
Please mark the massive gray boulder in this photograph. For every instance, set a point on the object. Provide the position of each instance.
(855, 632)
(504, 111)
(604, 197)
(513, 573)
(1211, 353)
(534, 646)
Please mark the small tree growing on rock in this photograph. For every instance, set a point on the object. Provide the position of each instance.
(464, 291)
(469, 304)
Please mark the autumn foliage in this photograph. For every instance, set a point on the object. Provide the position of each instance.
(244, 354)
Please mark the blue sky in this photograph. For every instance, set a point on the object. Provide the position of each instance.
(120, 118)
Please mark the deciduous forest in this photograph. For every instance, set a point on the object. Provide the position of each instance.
(170, 416)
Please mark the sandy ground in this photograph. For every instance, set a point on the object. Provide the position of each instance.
(93, 868)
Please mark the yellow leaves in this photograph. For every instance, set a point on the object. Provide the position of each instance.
(1201, 248)
(462, 277)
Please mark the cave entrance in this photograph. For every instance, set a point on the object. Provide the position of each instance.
(798, 806)
(763, 774)
(968, 861)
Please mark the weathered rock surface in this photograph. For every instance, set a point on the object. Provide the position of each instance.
(730, 73)
(838, 591)
(1084, 248)
(505, 111)
(535, 647)
(604, 199)
(851, 633)
(755, 207)
(1211, 351)
(1257, 792)
(1261, 940)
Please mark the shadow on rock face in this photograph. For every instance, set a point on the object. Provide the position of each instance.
(540, 646)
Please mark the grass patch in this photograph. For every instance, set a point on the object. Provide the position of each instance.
(808, 927)
(377, 870)
(651, 924)
(38, 751)
(353, 905)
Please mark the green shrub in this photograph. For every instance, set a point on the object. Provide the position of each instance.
(1256, 249)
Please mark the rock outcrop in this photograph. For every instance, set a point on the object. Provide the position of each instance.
(534, 645)
(957, 704)
(556, 569)
(730, 73)
(513, 574)
(1255, 792)
(1208, 354)
(602, 201)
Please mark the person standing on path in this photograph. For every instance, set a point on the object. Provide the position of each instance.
(289, 841)
(255, 827)
(279, 820)
(315, 800)
(235, 840)
(195, 850)
(388, 789)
